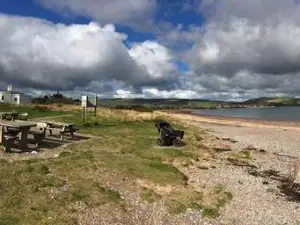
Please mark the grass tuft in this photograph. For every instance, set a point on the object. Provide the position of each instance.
(149, 195)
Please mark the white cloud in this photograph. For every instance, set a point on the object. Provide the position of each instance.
(243, 46)
(248, 47)
(155, 58)
(38, 54)
(156, 93)
(106, 11)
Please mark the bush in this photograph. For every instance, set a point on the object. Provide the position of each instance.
(40, 108)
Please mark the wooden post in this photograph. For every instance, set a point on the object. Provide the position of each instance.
(85, 111)
(1, 135)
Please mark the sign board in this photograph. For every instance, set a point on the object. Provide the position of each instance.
(89, 101)
(84, 101)
(92, 101)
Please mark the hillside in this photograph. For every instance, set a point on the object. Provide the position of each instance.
(154, 104)
(281, 101)
(160, 103)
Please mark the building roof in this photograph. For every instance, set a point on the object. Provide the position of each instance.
(11, 92)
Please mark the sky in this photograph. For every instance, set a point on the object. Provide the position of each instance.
(193, 49)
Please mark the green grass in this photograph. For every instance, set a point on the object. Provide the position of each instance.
(34, 190)
(180, 201)
(40, 189)
(33, 111)
(222, 197)
(149, 195)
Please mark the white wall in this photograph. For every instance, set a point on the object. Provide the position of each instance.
(25, 99)
(6, 97)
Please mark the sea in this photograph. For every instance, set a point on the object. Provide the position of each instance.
(268, 113)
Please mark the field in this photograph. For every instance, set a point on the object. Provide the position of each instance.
(110, 177)
(160, 103)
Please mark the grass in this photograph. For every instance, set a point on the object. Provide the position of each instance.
(179, 201)
(34, 111)
(243, 155)
(149, 195)
(221, 198)
(39, 189)
(124, 147)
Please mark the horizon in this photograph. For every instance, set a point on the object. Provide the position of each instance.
(181, 49)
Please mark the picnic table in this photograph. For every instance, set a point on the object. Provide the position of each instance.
(61, 128)
(8, 115)
(22, 127)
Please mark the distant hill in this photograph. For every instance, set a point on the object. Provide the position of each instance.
(195, 103)
(160, 103)
(141, 104)
(276, 101)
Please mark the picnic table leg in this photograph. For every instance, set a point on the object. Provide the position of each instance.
(1, 135)
(72, 132)
(24, 139)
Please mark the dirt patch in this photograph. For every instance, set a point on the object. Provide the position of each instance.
(161, 190)
(229, 140)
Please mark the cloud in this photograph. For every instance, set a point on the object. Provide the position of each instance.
(38, 54)
(155, 58)
(126, 12)
(241, 46)
(259, 11)
(247, 46)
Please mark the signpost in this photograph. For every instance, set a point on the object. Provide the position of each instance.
(86, 102)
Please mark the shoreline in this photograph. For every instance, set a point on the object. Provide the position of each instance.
(234, 121)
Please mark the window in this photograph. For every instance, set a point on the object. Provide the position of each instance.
(16, 99)
(2, 98)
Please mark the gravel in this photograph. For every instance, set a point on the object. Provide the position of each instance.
(257, 200)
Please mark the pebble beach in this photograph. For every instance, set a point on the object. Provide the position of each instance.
(275, 148)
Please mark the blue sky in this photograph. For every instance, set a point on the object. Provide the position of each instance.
(170, 11)
(213, 49)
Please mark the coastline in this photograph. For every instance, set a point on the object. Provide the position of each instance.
(234, 121)
(264, 146)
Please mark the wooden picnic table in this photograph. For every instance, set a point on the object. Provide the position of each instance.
(22, 127)
(10, 115)
(62, 128)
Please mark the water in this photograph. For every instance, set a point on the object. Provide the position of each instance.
(278, 113)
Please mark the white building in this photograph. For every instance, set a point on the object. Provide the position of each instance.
(13, 97)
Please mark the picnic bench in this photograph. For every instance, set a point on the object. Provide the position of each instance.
(9, 131)
(8, 115)
(62, 129)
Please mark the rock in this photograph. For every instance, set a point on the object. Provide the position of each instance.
(34, 152)
(297, 180)
(185, 164)
(271, 190)
(265, 182)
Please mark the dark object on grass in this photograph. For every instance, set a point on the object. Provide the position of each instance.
(167, 135)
